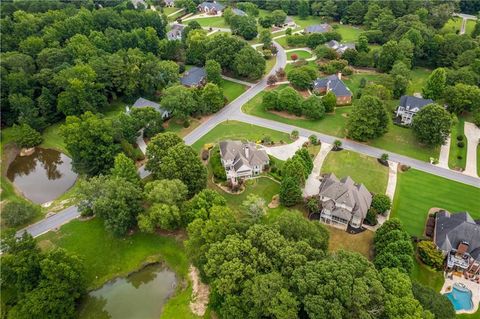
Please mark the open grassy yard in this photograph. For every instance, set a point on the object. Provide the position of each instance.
(170, 10)
(239, 130)
(216, 22)
(453, 25)
(291, 66)
(418, 78)
(361, 168)
(177, 126)
(232, 90)
(426, 275)
(457, 157)
(478, 158)
(270, 63)
(310, 20)
(349, 33)
(302, 54)
(417, 192)
(360, 243)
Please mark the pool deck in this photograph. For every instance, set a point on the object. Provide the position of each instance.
(474, 288)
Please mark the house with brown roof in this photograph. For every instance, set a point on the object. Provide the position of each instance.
(343, 202)
(242, 160)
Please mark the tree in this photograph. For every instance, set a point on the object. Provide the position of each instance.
(224, 49)
(381, 203)
(113, 199)
(270, 100)
(89, 139)
(18, 213)
(180, 101)
(162, 216)
(266, 38)
(244, 26)
(303, 9)
(214, 71)
(249, 63)
(201, 205)
(278, 17)
(290, 192)
(149, 119)
(182, 162)
(377, 90)
(435, 85)
(196, 46)
(166, 191)
(301, 78)
(289, 100)
(25, 136)
(254, 205)
(368, 120)
(433, 301)
(362, 44)
(313, 107)
(432, 125)
(306, 158)
(158, 147)
(329, 101)
(272, 79)
(212, 99)
(125, 168)
(462, 98)
(228, 14)
(430, 255)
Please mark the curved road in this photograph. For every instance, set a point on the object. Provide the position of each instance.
(233, 111)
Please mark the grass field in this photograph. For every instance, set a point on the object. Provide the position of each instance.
(427, 276)
(216, 22)
(453, 25)
(455, 152)
(291, 66)
(478, 159)
(239, 130)
(418, 78)
(270, 63)
(361, 168)
(170, 10)
(349, 33)
(417, 192)
(232, 90)
(302, 54)
(360, 243)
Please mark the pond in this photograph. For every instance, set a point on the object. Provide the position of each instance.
(42, 176)
(140, 295)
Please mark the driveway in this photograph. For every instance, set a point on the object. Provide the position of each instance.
(444, 152)
(312, 183)
(286, 151)
(472, 132)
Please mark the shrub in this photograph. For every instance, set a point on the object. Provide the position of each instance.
(186, 123)
(384, 157)
(461, 144)
(371, 218)
(294, 134)
(363, 83)
(347, 70)
(138, 154)
(25, 136)
(294, 57)
(459, 137)
(272, 79)
(216, 165)
(204, 154)
(280, 73)
(18, 213)
(128, 149)
(429, 254)
(313, 139)
(337, 144)
(381, 203)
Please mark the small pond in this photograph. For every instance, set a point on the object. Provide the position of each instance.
(141, 295)
(42, 176)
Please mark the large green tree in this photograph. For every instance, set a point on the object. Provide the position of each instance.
(462, 98)
(432, 125)
(249, 63)
(180, 101)
(435, 85)
(125, 167)
(369, 119)
(158, 147)
(290, 191)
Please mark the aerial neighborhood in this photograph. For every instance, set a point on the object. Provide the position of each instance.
(240, 159)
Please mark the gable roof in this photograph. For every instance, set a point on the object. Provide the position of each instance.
(334, 84)
(212, 5)
(170, 2)
(193, 76)
(239, 12)
(175, 32)
(453, 229)
(242, 154)
(339, 47)
(413, 103)
(353, 198)
(318, 28)
(141, 103)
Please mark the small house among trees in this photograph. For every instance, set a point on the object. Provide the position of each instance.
(212, 8)
(318, 28)
(195, 77)
(334, 84)
(175, 32)
(340, 48)
(141, 103)
(409, 107)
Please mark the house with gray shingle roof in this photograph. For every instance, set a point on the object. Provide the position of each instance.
(242, 160)
(238, 12)
(175, 32)
(169, 3)
(318, 28)
(194, 77)
(142, 103)
(343, 202)
(409, 107)
(333, 83)
(340, 48)
(210, 7)
(457, 235)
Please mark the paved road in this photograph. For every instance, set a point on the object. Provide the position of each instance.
(51, 222)
(465, 18)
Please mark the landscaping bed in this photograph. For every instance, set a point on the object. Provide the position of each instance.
(457, 157)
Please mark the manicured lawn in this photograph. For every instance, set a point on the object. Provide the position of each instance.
(453, 25)
(478, 159)
(300, 53)
(360, 243)
(232, 90)
(53, 139)
(177, 126)
(170, 10)
(361, 168)
(457, 157)
(353, 81)
(349, 33)
(282, 41)
(418, 78)
(310, 20)
(239, 130)
(270, 63)
(417, 192)
(470, 26)
(291, 66)
(427, 276)
(217, 22)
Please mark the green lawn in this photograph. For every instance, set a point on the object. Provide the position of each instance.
(478, 159)
(418, 78)
(270, 63)
(300, 53)
(239, 130)
(170, 10)
(232, 90)
(470, 26)
(217, 22)
(291, 66)
(453, 25)
(282, 41)
(455, 152)
(417, 192)
(349, 33)
(427, 276)
(361, 168)
(310, 20)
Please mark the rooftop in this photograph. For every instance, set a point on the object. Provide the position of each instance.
(333, 83)
(193, 77)
(413, 103)
(318, 28)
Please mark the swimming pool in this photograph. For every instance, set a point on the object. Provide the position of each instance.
(461, 297)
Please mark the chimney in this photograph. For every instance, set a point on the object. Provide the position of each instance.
(339, 75)
(247, 152)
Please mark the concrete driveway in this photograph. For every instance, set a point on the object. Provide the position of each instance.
(312, 183)
(472, 132)
(284, 152)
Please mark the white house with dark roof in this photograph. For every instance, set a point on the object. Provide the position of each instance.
(169, 3)
(242, 160)
(194, 77)
(457, 235)
(343, 202)
(409, 107)
(175, 32)
(142, 103)
(340, 48)
(318, 28)
(211, 7)
(333, 83)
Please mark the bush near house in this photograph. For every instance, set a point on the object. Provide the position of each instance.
(430, 255)
(216, 165)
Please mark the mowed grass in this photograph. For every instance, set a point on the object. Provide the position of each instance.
(232, 90)
(426, 275)
(349, 33)
(301, 54)
(216, 22)
(457, 157)
(417, 192)
(239, 131)
(361, 168)
(418, 78)
(478, 159)
(360, 243)
(453, 25)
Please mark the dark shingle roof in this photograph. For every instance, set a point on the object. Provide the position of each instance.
(334, 84)
(239, 12)
(175, 32)
(453, 229)
(413, 103)
(318, 28)
(212, 5)
(141, 103)
(193, 76)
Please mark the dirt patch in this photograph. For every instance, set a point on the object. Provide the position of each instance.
(200, 293)
(275, 202)
(288, 115)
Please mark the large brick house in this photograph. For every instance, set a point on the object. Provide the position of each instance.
(212, 8)
(409, 107)
(334, 83)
